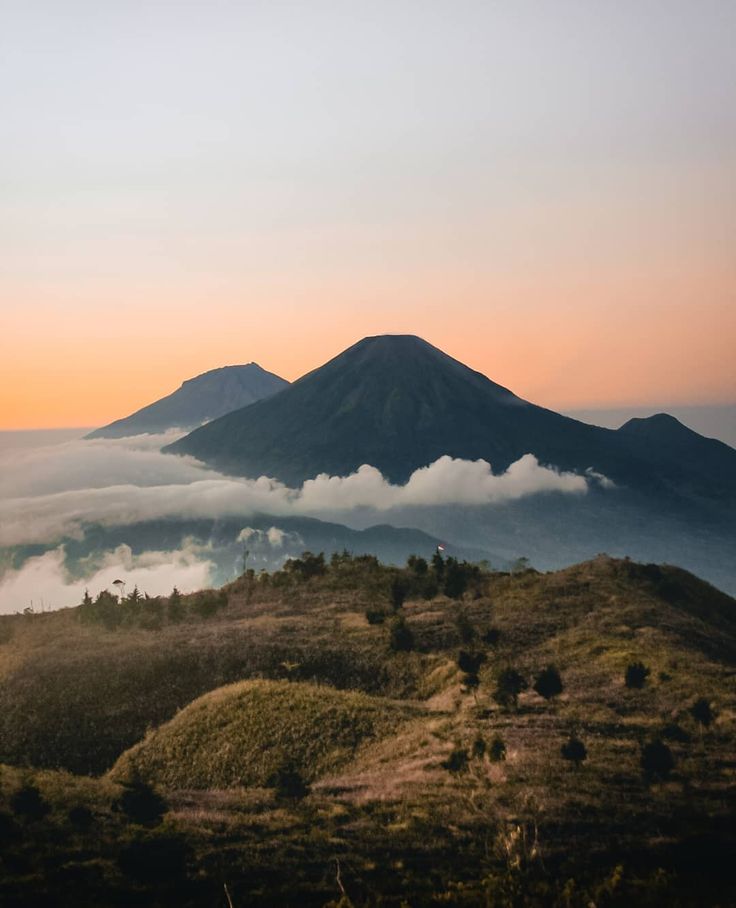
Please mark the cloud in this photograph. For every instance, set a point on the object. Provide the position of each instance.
(52, 492)
(44, 582)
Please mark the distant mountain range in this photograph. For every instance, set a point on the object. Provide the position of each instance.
(398, 403)
(198, 400)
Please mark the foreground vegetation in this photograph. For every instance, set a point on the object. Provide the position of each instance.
(354, 734)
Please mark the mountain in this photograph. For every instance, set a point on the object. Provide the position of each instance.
(198, 400)
(398, 403)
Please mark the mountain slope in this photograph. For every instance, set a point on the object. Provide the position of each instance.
(398, 403)
(199, 399)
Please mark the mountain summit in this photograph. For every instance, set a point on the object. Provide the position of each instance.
(198, 400)
(398, 403)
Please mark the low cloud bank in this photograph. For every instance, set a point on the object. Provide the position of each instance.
(44, 583)
(192, 491)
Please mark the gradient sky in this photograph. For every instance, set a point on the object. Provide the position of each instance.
(546, 190)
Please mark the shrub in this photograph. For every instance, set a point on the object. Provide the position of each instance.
(28, 803)
(470, 662)
(675, 732)
(464, 627)
(375, 616)
(457, 761)
(417, 565)
(141, 804)
(479, 746)
(656, 760)
(307, 566)
(456, 580)
(288, 782)
(575, 751)
(497, 750)
(208, 602)
(509, 684)
(548, 683)
(702, 712)
(636, 675)
(175, 608)
(401, 639)
(398, 592)
(491, 636)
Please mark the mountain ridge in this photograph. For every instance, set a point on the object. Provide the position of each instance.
(197, 400)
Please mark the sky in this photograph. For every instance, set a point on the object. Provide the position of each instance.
(546, 191)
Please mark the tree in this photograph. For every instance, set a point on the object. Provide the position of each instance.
(509, 684)
(520, 565)
(703, 712)
(575, 751)
(375, 616)
(636, 675)
(497, 750)
(656, 760)
(175, 608)
(401, 639)
(548, 683)
(470, 662)
(417, 565)
(456, 581)
(491, 636)
(457, 761)
(141, 803)
(438, 565)
(288, 782)
(397, 592)
(464, 627)
(28, 803)
(307, 566)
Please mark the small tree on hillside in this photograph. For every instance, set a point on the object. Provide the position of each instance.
(636, 675)
(509, 684)
(417, 565)
(656, 760)
(438, 566)
(28, 803)
(456, 581)
(398, 592)
(548, 683)
(175, 608)
(497, 750)
(575, 751)
(141, 804)
(703, 712)
(401, 639)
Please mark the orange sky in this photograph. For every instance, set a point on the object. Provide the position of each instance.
(550, 199)
(547, 343)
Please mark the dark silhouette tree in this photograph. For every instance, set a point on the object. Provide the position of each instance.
(175, 607)
(636, 675)
(417, 565)
(401, 639)
(656, 760)
(438, 566)
(457, 761)
(548, 683)
(28, 803)
(456, 581)
(703, 712)
(288, 783)
(575, 751)
(397, 592)
(497, 750)
(141, 803)
(464, 627)
(509, 684)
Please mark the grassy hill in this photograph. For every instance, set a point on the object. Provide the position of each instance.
(244, 734)
(435, 760)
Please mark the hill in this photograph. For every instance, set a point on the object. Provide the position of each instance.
(398, 403)
(197, 401)
(612, 784)
(244, 734)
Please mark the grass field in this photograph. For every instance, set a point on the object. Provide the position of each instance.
(311, 753)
